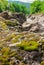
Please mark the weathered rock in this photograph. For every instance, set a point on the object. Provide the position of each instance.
(19, 16)
(34, 23)
(6, 15)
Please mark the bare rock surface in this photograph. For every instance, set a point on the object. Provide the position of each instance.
(34, 23)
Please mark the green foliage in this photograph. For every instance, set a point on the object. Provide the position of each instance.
(42, 6)
(13, 7)
(28, 45)
(37, 6)
(3, 5)
(18, 8)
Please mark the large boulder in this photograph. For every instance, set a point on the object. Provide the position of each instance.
(6, 15)
(19, 16)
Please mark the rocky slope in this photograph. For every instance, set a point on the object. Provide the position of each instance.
(21, 39)
(32, 23)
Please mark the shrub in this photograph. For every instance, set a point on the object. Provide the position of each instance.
(37, 6)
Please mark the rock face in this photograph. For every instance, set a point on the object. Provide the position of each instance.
(34, 23)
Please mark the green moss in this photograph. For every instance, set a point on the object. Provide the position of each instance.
(42, 63)
(13, 53)
(14, 40)
(5, 54)
(10, 36)
(5, 50)
(6, 63)
(10, 23)
(28, 45)
(3, 25)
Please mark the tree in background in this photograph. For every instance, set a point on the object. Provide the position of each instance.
(36, 6)
(42, 6)
(13, 7)
(3, 5)
(17, 7)
(24, 9)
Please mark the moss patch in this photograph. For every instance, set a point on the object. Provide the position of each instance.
(29, 45)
